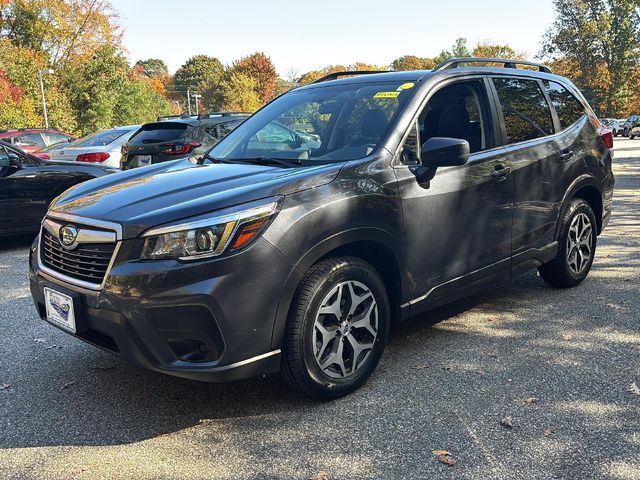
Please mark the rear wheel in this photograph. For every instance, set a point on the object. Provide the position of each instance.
(337, 328)
(577, 247)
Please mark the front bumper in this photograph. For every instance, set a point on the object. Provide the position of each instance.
(209, 320)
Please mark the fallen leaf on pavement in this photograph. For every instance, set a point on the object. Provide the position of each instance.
(67, 385)
(566, 336)
(531, 401)
(421, 366)
(445, 457)
(507, 422)
(4, 386)
(548, 432)
(322, 475)
(39, 340)
(633, 388)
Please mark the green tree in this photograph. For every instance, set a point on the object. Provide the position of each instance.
(153, 68)
(600, 36)
(199, 73)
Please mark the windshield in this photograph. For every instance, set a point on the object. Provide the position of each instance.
(331, 123)
(101, 139)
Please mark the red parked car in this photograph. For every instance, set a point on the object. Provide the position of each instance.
(31, 140)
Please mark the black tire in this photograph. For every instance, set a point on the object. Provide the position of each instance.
(559, 272)
(299, 365)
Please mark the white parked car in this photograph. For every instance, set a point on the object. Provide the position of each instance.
(102, 147)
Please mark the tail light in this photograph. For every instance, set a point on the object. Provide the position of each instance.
(179, 148)
(42, 156)
(92, 157)
(607, 138)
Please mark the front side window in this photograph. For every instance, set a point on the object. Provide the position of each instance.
(29, 140)
(568, 108)
(323, 123)
(525, 109)
(456, 111)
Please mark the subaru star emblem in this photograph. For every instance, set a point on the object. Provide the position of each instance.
(68, 235)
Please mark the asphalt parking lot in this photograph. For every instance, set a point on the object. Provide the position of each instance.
(555, 366)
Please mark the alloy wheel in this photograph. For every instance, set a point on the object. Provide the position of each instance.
(579, 244)
(345, 329)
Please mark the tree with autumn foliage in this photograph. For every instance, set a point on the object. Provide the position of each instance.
(597, 44)
(260, 68)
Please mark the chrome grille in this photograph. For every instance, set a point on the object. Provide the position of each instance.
(88, 262)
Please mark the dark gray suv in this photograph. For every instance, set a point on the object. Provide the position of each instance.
(403, 191)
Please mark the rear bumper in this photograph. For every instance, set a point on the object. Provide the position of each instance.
(210, 321)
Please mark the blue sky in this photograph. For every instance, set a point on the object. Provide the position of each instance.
(304, 35)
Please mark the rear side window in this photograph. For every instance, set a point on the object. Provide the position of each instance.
(101, 139)
(568, 107)
(525, 109)
(53, 137)
(159, 132)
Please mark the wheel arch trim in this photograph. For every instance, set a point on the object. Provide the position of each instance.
(582, 182)
(323, 249)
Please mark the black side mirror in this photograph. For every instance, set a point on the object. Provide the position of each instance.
(441, 152)
(445, 152)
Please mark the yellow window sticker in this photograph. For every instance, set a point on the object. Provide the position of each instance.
(386, 95)
(406, 86)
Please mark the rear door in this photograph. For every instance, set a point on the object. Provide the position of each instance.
(457, 227)
(540, 159)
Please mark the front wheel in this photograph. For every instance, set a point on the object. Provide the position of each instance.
(337, 328)
(576, 249)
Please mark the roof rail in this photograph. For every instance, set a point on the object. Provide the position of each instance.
(336, 75)
(455, 62)
(220, 114)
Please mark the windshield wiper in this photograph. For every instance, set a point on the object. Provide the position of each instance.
(206, 156)
(285, 162)
(254, 161)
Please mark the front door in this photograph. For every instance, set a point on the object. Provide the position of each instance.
(23, 200)
(458, 227)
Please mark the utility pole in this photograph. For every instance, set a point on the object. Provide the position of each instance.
(196, 97)
(189, 100)
(44, 101)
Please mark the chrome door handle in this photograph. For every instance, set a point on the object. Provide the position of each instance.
(566, 155)
(500, 172)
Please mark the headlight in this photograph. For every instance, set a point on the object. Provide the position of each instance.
(209, 237)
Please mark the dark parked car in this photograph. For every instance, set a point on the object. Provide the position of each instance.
(629, 123)
(268, 255)
(28, 185)
(177, 138)
(31, 140)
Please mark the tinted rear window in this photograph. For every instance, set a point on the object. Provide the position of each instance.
(160, 132)
(568, 107)
(526, 113)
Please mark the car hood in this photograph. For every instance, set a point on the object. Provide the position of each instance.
(146, 197)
